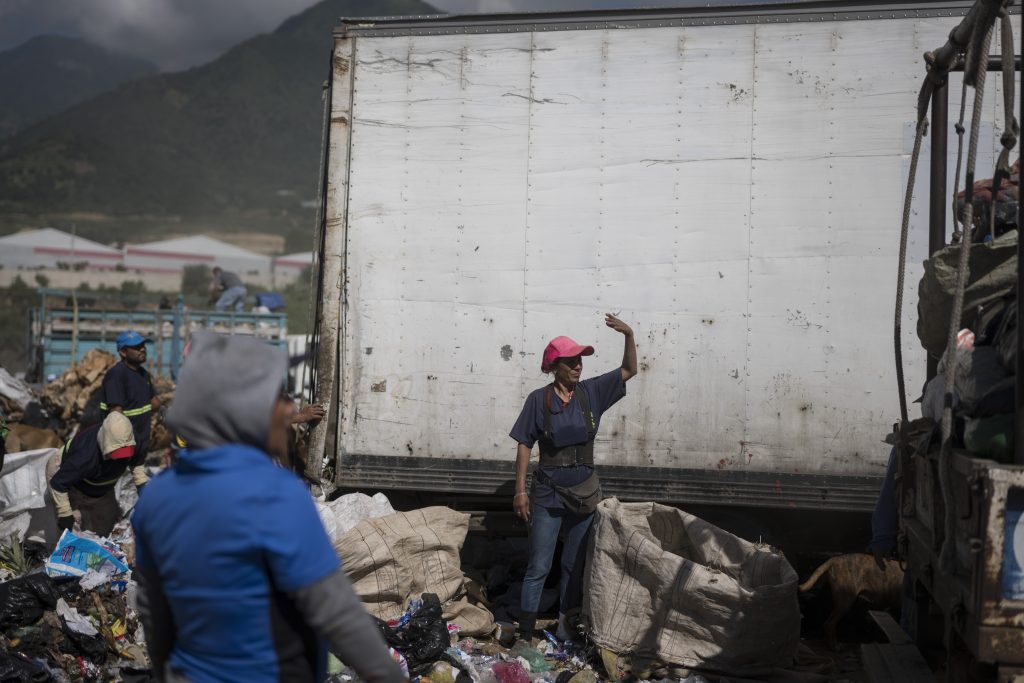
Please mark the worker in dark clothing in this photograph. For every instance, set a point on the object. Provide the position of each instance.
(86, 471)
(237, 578)
(128, 389)
(230, 290)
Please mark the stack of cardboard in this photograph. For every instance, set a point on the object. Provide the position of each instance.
(70, 395)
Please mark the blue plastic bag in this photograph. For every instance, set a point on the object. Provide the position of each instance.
(77, 554)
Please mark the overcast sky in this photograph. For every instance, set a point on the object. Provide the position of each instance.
(181, 33)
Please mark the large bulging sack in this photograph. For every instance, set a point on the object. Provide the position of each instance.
(993, 274)
(664, 585)
(391, 560)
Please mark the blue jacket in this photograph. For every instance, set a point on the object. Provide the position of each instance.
(230, 535)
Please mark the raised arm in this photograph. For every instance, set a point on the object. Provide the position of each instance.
(629, 347)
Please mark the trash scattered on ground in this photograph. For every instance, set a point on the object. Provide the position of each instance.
(77, 625)
(420, 635)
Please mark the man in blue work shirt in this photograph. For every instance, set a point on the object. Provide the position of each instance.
(237, 577)
(127, 389)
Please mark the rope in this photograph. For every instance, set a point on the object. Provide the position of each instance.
(1009, 137)
(959, 161)
(922, 130)
(979, 47)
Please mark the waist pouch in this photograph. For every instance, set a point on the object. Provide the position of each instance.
(581, 498)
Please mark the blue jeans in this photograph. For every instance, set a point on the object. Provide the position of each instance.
(234, 295)
(545, 525)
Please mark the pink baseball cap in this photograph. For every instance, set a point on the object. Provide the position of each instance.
(562, 347)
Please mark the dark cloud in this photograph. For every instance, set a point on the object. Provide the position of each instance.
(182, 33)
(172, 33)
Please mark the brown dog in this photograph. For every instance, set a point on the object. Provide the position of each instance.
(856, 576)
(25, 438)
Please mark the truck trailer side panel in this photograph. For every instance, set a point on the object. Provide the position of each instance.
(731, 191)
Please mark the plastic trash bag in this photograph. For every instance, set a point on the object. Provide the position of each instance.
(134, 675)
(93, 648)
(76, 554)
(23, 600)
(422, 638)
(74, 620)
(16, 668)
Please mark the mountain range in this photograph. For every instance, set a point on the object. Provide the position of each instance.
(47, 74)
(235, 142)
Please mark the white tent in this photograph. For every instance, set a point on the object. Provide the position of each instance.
(171, 256)
(290, 266)
(48, 247)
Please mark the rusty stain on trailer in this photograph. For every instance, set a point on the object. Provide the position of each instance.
(379, 387)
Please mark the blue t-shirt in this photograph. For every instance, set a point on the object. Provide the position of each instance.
(603, 392)
(230, 534)
(133, 391)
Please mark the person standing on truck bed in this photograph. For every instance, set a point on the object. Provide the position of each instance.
(238, 580)
(563, 417)
(230, 288)
(128, 389)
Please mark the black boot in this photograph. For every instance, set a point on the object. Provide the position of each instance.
(527, 627)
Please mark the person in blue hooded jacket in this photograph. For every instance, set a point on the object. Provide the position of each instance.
(238, 580)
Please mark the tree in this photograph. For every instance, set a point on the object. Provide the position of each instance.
(297, 302)
(195, 284)
(298, 239)
(16, 301)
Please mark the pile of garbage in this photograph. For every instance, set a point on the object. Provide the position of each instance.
(431, 649)
(15, 396)
(70, 616)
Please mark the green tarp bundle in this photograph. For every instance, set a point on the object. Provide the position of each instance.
(993, 275)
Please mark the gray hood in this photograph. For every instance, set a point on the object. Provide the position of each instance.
(227, 391)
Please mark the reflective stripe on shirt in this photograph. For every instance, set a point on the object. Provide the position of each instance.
(90, 482)
(130, 413)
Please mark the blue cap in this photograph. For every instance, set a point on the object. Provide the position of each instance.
(131, 338)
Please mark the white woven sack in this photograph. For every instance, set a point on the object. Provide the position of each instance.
(665, 585)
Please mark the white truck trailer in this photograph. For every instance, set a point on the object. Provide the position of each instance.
(727, 180)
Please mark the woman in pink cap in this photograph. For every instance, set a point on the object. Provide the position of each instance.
(563, 418)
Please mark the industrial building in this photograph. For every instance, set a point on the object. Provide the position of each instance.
(52, 248)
